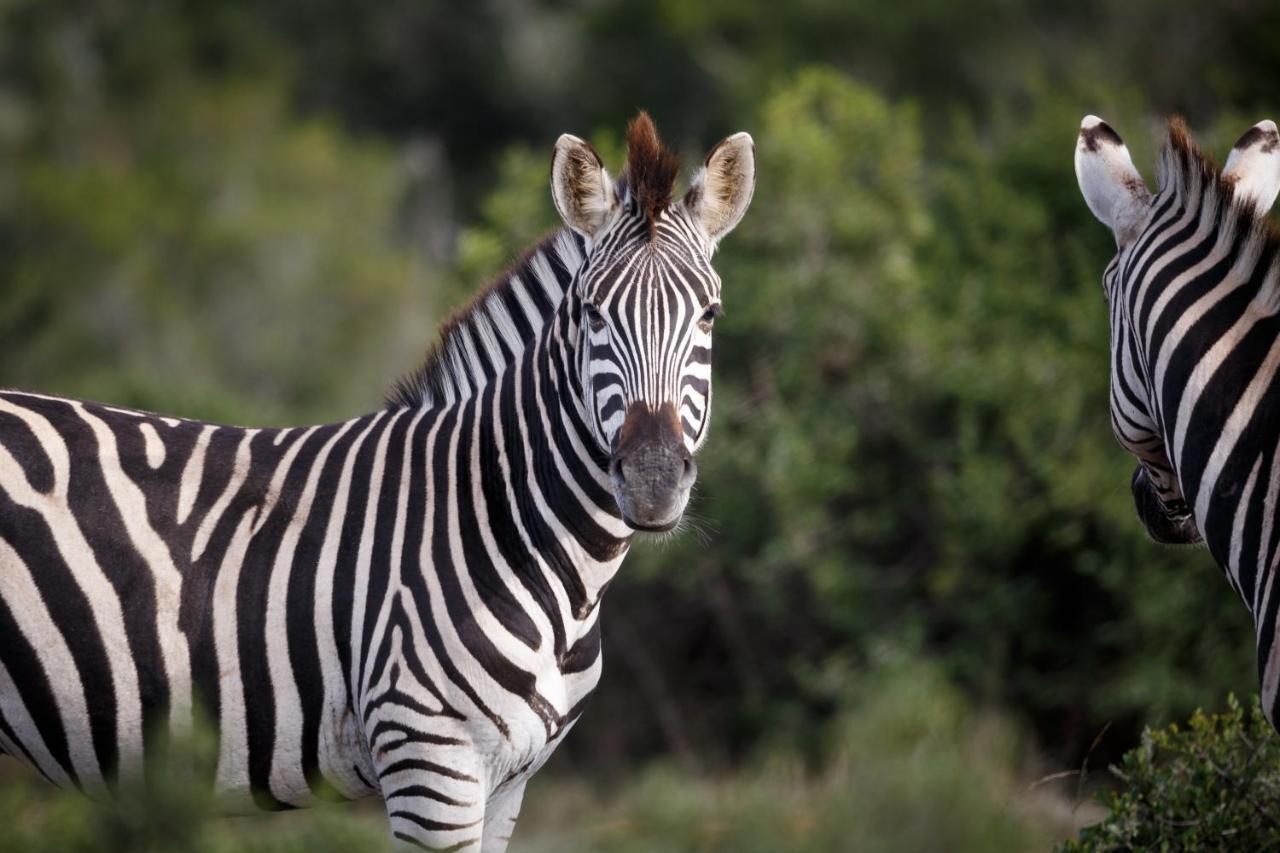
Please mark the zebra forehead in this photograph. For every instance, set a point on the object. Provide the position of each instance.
(676, 241)
(654, 273)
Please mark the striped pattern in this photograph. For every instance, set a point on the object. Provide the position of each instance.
(1194, 299)
(649, 320)
(404, 604)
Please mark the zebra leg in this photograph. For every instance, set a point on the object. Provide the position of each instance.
(500, 817)
(435, 798)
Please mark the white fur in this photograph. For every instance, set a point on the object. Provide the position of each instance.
(721, 192)
(287, 782)
(154, 446)
(583, 196)
(1111, 185)
(1255, 169)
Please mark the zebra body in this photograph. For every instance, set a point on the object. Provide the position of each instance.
(1194, 298)
(404, 604)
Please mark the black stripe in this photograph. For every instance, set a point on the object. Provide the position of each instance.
(476, 560)
(304, 658)
(99, 519)
(384, 526)
(35, 692)
(69, 609)
(252, 595)
(22, 444)
(502, 521)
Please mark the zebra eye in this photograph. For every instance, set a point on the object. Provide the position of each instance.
(709, 316)
(594, 319)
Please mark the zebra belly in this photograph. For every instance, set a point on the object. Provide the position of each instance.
(337, 767)
(96, 674)
(77, 699)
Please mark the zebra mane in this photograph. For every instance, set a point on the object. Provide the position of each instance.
(481, 339)
(651, 170)
(1195, 178)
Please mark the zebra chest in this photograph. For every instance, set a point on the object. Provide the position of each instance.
(539, 721)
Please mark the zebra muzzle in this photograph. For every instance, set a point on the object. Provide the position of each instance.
(651, 468)
(1167, 523)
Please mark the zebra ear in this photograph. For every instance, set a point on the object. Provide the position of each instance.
(1111, 185)
(721, 191)
(580, 186)
(1254, 166)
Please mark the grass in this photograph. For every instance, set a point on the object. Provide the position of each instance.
(907, 766)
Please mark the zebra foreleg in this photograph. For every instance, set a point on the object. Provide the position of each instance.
(434, 801)
(500, 817)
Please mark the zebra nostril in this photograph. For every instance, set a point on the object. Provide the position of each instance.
(689, 473)
(615, 469)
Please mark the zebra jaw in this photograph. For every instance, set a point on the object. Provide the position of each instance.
(1166, 523)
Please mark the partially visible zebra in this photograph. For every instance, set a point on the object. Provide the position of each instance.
(1194, 295)
(405, 604)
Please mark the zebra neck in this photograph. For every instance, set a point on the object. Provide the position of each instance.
(568, 459)
(521, 492)
(1209, 334)
(496, 329)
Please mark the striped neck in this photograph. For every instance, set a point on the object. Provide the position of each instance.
(493, 331)
(1200, 290)
(506, 379)
(566, 454)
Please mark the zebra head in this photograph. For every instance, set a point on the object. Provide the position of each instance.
(644, 303)
(1145, 228)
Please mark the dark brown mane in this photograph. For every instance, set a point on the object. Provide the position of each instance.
(1188, 153)
(651, 168)
(456, 366)
(1185, 165)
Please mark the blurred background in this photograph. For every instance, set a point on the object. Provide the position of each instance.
(918, 611)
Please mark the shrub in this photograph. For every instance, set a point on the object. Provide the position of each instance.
(1214, 784)
(906, 764)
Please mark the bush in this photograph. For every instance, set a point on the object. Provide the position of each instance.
(907, 764)
(1212, 785)
(910, 442)
(173, 808)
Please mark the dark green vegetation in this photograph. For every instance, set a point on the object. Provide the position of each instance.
(1214, 785)
(258, 212)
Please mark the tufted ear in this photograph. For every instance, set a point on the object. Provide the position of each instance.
(1254, 166)
(722, 190)
(580, 186)
(1111, 185)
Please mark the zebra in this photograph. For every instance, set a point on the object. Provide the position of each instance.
(406, 604)
(1194, 301)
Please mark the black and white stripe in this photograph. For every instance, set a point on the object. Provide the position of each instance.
(1194, 299)
(404, 604)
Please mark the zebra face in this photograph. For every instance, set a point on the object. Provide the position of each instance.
(1117, 196)
(644, 305)
(646, 326)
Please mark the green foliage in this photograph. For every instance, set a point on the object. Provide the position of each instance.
(907, 766)
(253, 212)
(176, 820)
(1213, 785)
(139, 247)
(173, 810)
(911, 441)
